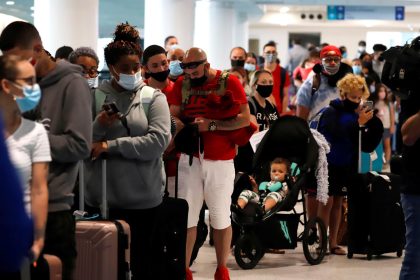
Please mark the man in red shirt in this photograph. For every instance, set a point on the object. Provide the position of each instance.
(281, 79)
(211, 173)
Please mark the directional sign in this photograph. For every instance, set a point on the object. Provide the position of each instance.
(365, 12)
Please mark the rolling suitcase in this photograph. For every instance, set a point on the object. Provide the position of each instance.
(173, 221)
(103, 247)
(47, 267)
(375, 216)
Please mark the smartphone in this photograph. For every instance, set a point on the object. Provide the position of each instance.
(368, 105)
(110, 108)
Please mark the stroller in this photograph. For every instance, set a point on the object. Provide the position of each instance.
(289, 137)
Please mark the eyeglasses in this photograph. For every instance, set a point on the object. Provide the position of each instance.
(192, 65)
(331, 59)
(91, 72)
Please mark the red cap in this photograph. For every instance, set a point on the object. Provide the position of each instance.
(330, 51)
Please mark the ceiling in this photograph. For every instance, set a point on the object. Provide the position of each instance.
(112, 12)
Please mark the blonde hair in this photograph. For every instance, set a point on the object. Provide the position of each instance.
(351, 83)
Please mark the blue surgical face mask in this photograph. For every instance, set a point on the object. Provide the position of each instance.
(357, 69)
(270, 57)
(175, 68)
(129, 82)
(32, 95)
(174, 46)
(249, 67)
(93, 82)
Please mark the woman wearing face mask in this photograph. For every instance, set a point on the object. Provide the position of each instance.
(134, 142)
(263, 113)
(340, 123)
(26, 140)
(88, 60)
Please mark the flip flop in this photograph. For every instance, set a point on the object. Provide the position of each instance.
(337, 251)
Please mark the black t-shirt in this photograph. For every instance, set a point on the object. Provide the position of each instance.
(265, 116)
(411, 154)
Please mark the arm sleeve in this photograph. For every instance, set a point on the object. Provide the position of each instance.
(154, 143)
(304, 94)
(41, 151)
(287, 80)
(175, 95)
(75, 141)
(238, 92)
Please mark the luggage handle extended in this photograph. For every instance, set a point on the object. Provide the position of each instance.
(104, 205)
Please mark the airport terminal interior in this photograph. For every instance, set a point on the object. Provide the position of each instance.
(217, 26)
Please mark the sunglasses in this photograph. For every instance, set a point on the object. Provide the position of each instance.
(192, 65)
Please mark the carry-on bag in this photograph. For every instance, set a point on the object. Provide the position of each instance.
(173, 221)
(103, 247)
(375, 216)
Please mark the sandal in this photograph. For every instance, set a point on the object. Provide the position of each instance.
(275, 251)
(338, 251)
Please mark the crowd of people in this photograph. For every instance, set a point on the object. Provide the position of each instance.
(56, 113)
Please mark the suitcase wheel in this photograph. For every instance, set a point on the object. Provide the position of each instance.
(369, 256)
(399, 253)
(349, 255)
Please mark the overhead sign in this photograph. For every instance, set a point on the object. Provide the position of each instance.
(365, 12)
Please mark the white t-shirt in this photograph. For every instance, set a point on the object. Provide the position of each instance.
(27, 145)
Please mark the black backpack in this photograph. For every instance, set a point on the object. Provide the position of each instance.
(401, 70)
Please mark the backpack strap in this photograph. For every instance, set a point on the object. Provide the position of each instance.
(99, 99)
(283, 73)
(316, 82)
(254, 106)
(146, 95)
(223, 82)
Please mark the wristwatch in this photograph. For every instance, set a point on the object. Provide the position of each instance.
(212, 126)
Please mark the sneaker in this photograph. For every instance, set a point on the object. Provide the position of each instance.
(188, 274)
(222, 273)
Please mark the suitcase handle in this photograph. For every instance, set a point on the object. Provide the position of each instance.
(104, 204)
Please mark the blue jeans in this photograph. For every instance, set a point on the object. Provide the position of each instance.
(410, 269)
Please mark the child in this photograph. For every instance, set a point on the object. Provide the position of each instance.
(386, 115)
(277, 187)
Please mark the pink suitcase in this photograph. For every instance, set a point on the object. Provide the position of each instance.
(55, 267)
(103, 247)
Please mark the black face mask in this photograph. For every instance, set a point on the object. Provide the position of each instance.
(237, 63)
(350, 105)
(264, 90)
(160, 76)
(197, 82)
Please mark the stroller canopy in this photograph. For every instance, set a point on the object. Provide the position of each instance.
(289, 137)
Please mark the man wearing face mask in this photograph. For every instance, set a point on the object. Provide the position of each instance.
(280, 94)
(210, 174)
(171, 42)
(65, 111)
(238, 56)
(377, 61)
(361, 49)
(175, 57)
(318, 90)
(88, 60)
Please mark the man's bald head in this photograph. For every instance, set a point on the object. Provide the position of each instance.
(175, 54)
(194, 54)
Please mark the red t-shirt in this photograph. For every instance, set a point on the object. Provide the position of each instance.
(166, 89)
(217, 146)
(276, 86)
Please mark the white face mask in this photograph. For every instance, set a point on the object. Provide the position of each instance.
(129, 82)
(93, 82)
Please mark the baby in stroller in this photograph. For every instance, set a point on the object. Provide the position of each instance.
(271, 192)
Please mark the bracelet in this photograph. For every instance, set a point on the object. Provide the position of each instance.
(212, 126)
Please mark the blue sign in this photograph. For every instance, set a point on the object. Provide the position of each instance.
(365, 12)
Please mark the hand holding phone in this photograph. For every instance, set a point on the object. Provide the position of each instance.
(110, 108)
(368, 105)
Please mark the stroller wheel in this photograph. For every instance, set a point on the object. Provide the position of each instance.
(314, 241)
(248, 251)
